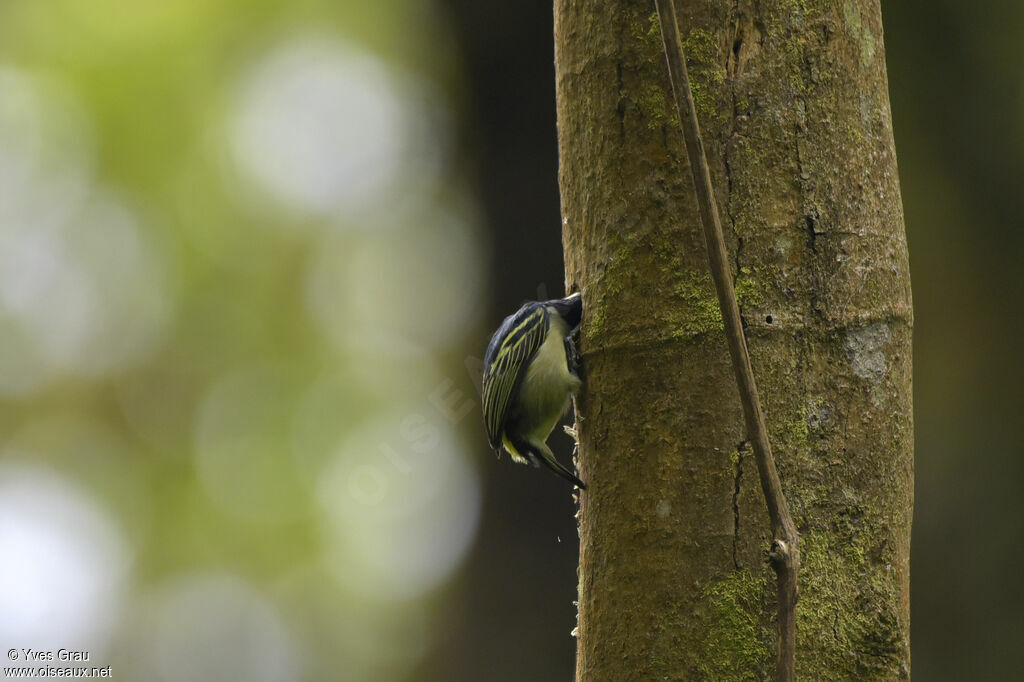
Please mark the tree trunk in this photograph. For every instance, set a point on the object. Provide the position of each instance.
(793, 102)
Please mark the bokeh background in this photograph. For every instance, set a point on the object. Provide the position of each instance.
(250, 255)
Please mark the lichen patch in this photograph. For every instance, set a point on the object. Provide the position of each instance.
(865, 347)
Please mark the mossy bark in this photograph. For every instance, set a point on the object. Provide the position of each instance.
(793, 103)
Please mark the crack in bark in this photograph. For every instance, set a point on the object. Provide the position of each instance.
(732, 66)
(812, 216)
(812, 233)
(621, 108)
(736, 504)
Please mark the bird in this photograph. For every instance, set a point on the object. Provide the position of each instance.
(529, 380)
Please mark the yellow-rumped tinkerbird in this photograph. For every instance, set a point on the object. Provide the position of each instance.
(529, 379)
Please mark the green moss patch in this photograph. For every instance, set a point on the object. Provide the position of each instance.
(734, 644)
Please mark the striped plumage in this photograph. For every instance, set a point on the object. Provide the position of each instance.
(528, 380)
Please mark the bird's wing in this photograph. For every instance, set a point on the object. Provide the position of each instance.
(511, 351)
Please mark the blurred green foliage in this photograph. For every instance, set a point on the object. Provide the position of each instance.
(240, 267)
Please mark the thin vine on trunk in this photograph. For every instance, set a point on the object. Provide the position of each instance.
(785, 549)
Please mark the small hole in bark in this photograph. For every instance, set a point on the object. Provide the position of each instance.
(768, 319)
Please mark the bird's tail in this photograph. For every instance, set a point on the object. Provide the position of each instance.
(543, 453)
